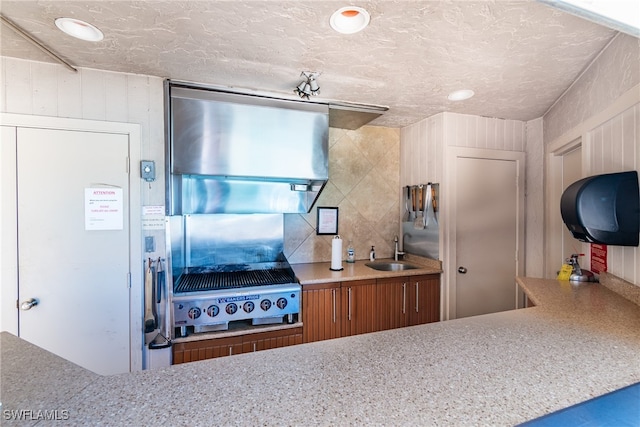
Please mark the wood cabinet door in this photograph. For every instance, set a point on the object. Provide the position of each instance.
(271, 339)
(424, 300)
(359, 307)
(206, 349)
(321, 316)
(219, 347)
(392, 302)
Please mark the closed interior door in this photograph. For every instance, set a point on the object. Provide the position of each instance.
(78, 275)
(486, 197)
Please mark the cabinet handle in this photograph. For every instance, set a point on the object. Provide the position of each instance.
(349, 290)
(230, 350)
(254, 347)
(404, 298)
(417, 299)
(333, 294)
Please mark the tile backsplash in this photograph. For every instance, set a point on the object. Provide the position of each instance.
(364, 183)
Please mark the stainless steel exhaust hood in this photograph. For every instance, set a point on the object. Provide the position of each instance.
(232, 153)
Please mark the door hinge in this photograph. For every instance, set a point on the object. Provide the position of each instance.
(126, 166)
(129, 280)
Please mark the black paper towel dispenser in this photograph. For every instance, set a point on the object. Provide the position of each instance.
(603, 209)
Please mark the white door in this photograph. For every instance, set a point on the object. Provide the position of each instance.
(488, 224)
(78, 277)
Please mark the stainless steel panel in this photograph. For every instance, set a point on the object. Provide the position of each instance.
(353, 117)
(206, 195)
(221, 134)
(422, 240)
(233, 239)
(231, 153)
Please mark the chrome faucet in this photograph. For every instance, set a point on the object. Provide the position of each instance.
(397, 251)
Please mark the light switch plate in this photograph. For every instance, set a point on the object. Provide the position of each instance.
(148, 170)
(149, 244)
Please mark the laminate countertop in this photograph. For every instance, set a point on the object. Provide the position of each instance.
(320, 272)
(580, 341)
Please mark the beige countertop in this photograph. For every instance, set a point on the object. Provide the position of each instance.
(498, 369)
(320, 272)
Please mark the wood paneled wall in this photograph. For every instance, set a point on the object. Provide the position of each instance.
(600, 111)
(46, 89)
(613, 147)
(423, 145)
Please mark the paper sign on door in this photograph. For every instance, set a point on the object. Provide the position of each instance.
(103, 209)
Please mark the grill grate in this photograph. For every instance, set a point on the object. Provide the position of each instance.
(193, 282)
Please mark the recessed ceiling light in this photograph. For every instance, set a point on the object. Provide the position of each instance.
(460, 95)
(79, 29)
(349, 19)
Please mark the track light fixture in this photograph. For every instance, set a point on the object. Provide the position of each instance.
(309, 85)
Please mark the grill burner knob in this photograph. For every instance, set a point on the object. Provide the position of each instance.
(231, 308)
(281, 303)
(194, 313)
(213, 310)
(265, 304)
(248, 306)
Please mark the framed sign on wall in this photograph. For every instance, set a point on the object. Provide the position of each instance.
(327, 221)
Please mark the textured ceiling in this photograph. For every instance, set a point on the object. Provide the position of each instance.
(518, 56)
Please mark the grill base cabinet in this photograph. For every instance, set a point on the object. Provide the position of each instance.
(219, 347)
(332, 310)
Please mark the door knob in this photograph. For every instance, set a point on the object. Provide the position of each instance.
(26, 305)
(462, 270)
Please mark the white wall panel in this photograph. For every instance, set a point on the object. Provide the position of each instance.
(613, 147)
(534, 211)
(421, 151)
(93, 95)
(630, 134)
(44, 89)
(116, 105)
(69, 95)
(17, 86)
(462, 130)
(423, 144)
(614, 72)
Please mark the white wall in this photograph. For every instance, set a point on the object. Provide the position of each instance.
(602, 111)
(423, 154)
(534, 208)
(423, 145)
(46, 89)
(615, 146)
(423, 151)
(615, 71)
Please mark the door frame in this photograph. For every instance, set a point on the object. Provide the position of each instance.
(9, 294)
(554, 254)
(450, 262)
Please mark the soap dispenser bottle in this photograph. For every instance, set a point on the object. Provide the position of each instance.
(372, 254)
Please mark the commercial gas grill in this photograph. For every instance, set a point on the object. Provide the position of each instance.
(229, 272)
(218, 280)
(208, 300)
